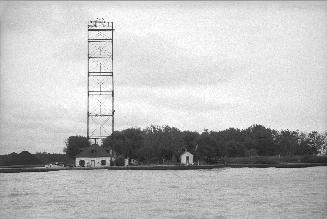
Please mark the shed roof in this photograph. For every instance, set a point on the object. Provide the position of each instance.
(186, 152)
(94, 151)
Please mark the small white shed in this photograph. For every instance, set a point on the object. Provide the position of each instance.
(186, 158)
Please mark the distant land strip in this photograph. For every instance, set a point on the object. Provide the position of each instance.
(166, 167)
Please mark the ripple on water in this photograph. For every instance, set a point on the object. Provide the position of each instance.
(226, 192)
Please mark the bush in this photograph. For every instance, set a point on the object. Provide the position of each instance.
(253, 160)
(265, 160)
(120, 161)
(314, 159)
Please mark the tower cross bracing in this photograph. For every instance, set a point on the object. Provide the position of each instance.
(100, 84)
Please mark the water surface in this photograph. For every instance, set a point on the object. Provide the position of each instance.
(217, 193)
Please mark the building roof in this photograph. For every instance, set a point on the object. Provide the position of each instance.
(185, 152)
(94, 151)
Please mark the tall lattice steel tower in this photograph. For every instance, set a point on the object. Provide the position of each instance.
(100, 84)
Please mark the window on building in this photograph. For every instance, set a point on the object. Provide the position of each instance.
(103, 162)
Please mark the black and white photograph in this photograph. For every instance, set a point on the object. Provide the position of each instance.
(163, 109)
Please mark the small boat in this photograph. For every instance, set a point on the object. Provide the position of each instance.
(54, 165)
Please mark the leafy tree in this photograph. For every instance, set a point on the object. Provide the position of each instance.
(74, 144)
(165, 141)
(235, 149)
(316, 141)
(228, 142)
(288, 142)
(126, 142)
(206, 146)
(303, 147)
(262, 139)
(324, 146)
(189, 139)
(252, 152)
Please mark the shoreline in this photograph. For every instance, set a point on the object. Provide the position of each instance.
(163, 167)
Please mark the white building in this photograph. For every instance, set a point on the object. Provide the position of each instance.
(93, 156)
(186, 158)
(126, 162)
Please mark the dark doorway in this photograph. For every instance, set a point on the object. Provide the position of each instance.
(82, 163)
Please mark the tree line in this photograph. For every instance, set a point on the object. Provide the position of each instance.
(157, 144)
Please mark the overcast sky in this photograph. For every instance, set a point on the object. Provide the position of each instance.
(192, 65)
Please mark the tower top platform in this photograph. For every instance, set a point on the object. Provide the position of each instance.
(100, 24)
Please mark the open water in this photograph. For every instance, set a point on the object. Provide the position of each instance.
(217, 193)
